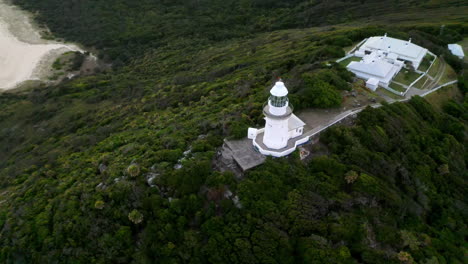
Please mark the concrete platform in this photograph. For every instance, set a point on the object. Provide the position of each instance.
(290, 147)
(243, 153)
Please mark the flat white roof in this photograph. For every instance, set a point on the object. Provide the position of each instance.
(400, 47)
(392, 56)
(295, 122)
(376, 67)
(456, 50)
(373, 81)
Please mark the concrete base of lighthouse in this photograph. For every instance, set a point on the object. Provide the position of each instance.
(293, 143)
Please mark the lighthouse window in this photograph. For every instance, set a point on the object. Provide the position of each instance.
(278, 101)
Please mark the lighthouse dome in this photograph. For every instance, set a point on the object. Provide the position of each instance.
(279, 89)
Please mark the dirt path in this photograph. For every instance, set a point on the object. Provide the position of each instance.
(435, 79)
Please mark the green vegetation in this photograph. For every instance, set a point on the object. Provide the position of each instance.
(426, 62)
(436, 67)
(321, 88)
(464, 44)
(419, 84)
(406, 76)
(448, 75)
(69, 61)
(397, 87)
(345, 63)
(117, 167)
(122, 29)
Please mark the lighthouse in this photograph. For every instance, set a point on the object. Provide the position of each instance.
(283, 129)
(277, 113)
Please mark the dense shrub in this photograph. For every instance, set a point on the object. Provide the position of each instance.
(184, 82)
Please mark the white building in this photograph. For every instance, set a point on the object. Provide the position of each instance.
(283, 130)
(372, 83)
(402, 50)
(456, 50)
(376, 68)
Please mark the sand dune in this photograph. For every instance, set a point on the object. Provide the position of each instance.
(21, 53)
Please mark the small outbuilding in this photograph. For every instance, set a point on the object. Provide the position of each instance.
(456, 50)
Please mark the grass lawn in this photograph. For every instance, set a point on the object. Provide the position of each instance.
(348, 48)
(388, 93)
(345, 63)
(406, 77)
(449, 75)
(420, 83)
(397, 87)
(464, 44)
(439, 97)
(435, 67)
(426, 63)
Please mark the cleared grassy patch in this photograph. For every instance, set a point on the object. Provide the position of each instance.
(426, 63)
(387, 93)
(464, 44)
(420, 83)
(406, 76)
(449, 75)
(397, 87)
(348, 60)
(435, 67)
(348, 48)
(441, 96)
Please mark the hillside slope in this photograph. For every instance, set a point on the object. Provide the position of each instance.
(88, 168)
(123, 29)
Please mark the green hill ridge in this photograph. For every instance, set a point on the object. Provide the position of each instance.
(88, 167)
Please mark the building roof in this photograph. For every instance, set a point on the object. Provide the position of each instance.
(456, 50)
(372, 81)
(392, 56)
(295, 122)
(378, 67)
(279, 89)
(374, 66)
(400, 47)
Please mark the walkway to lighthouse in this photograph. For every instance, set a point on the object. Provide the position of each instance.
(244, 155)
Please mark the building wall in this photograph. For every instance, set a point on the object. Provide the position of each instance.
(283, 153)
(382, 81)
(276, 133)
(296, 132)
(371, 86)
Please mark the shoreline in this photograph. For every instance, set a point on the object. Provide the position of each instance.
(24, 54)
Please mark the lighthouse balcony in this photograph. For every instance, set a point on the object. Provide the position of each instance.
(293, 143)
(271, 113)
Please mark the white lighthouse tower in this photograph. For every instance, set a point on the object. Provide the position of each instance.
(281, 125)
(277, 114)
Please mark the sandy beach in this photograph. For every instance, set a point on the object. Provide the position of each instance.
(22, 51)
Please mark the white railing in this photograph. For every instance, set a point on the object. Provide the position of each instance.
(344, 58)
(438, 87)
(424, 74)
(358, 45)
